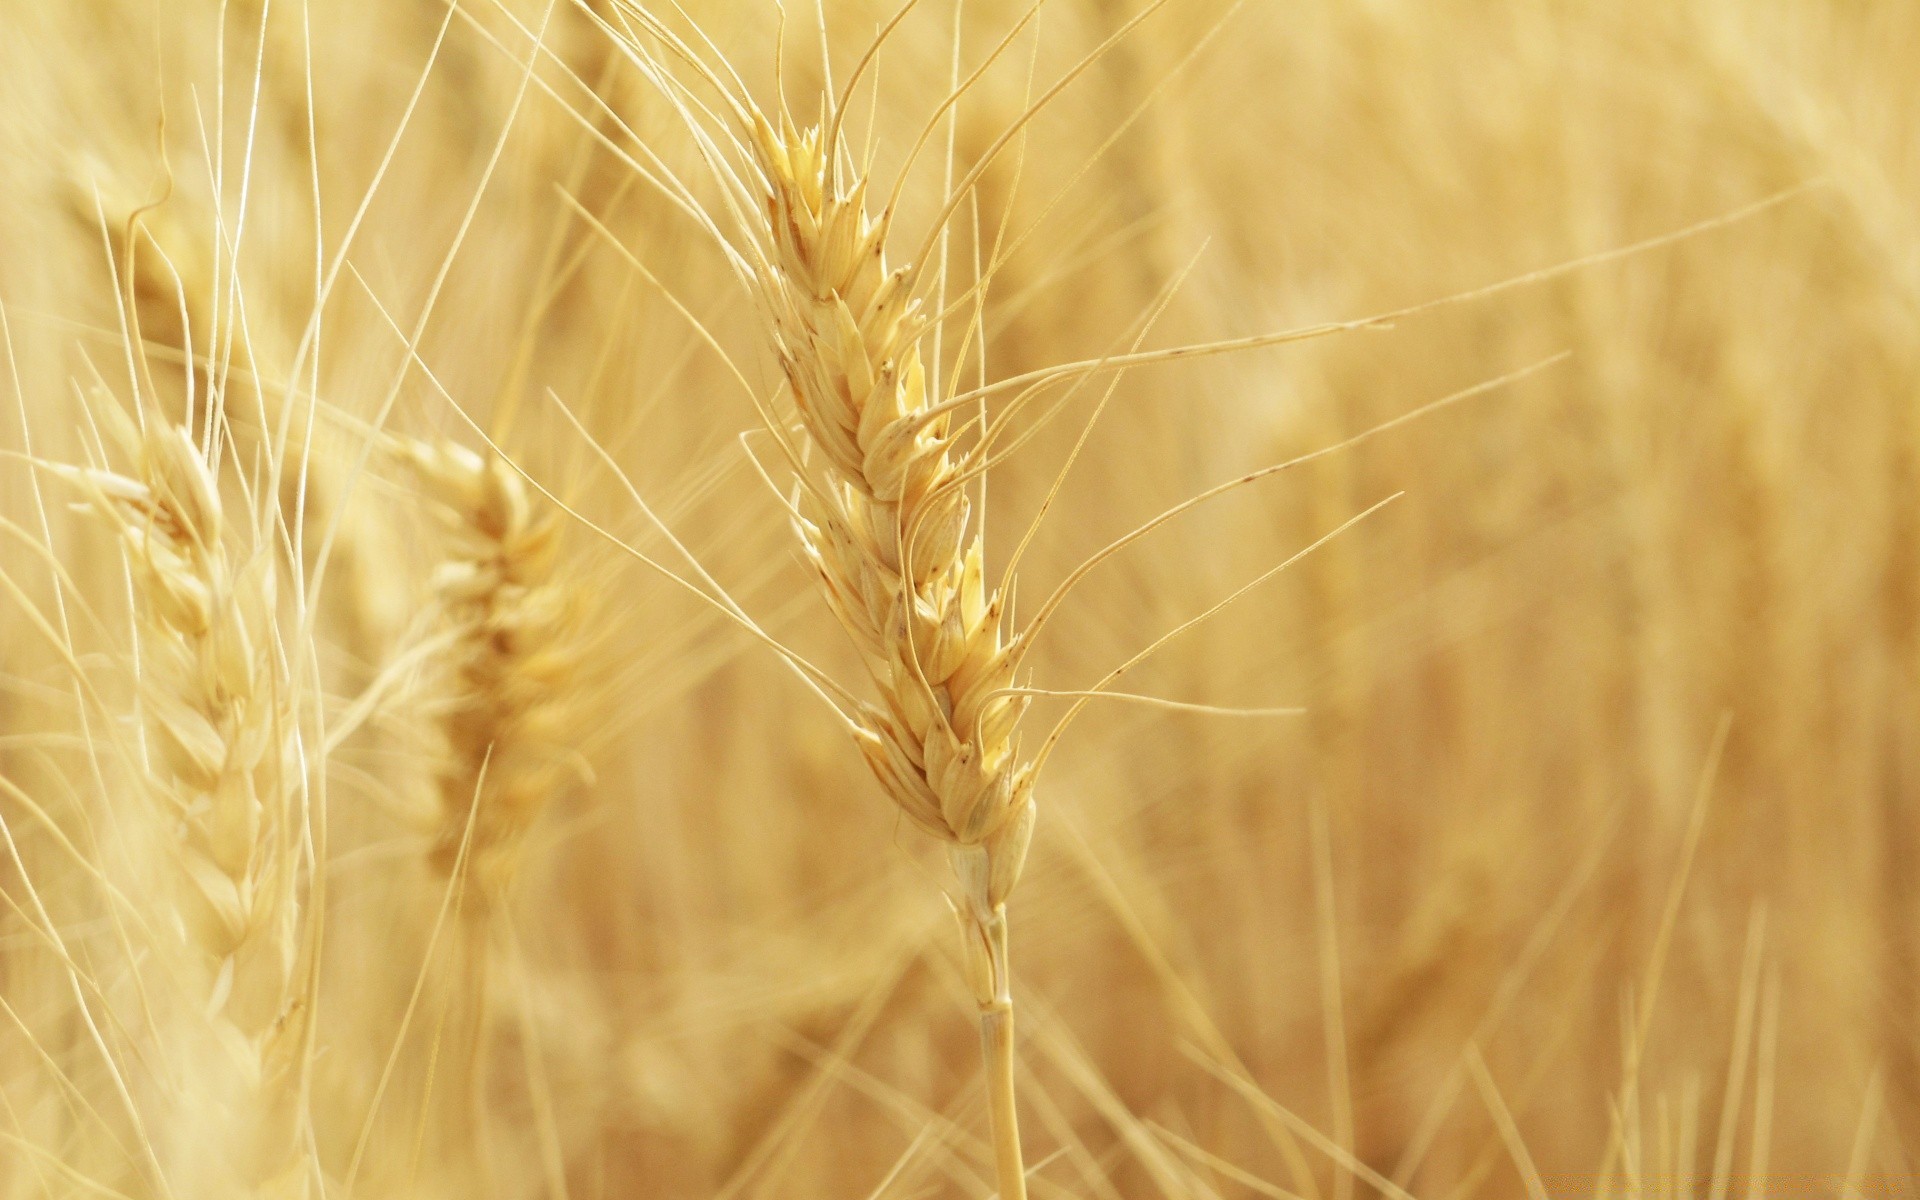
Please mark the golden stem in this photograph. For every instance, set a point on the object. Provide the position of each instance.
(996, 1049)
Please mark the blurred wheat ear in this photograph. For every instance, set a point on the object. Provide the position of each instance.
(506, 620)
(223, 779)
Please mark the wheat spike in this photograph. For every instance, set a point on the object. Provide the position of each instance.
(223, 768)
(508, 625)
(888, 526)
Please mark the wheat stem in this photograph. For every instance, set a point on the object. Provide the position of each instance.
(996, 1051)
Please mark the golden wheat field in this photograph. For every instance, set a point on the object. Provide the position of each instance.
(1082, 598)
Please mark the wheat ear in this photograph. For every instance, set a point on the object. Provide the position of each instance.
(223, 768)
(888, 525)
(507, 623)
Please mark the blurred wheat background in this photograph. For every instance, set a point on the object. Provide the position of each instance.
(1587, 868)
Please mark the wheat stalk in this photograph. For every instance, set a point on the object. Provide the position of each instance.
(888, 526)
(883, 462)
(886, 521)
(221, 766)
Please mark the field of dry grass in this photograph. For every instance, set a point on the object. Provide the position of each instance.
(425, 765)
